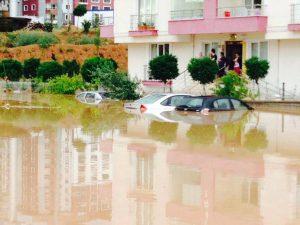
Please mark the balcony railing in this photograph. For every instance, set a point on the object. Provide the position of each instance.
(147, 21)
(106, 21)
(187, 14)
(295, 13)
(241, 11)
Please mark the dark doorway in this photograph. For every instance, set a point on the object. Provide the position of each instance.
(232, 48)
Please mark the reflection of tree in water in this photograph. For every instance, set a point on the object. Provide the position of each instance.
(79, 145)
(163, 131)
(202, 134)
(256, 139)
(108, 117)
(8, 131)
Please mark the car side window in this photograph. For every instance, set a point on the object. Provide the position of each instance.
(176, 101)
(238, 105)
(222, 104)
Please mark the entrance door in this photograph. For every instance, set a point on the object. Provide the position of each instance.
(232, 48)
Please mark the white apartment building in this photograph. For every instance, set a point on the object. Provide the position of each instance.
(269, 29)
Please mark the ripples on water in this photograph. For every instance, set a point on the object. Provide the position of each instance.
(62, 162)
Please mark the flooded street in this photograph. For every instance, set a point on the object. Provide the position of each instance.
(66, 163)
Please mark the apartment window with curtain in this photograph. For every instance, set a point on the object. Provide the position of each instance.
(185, 9)
(159, 49)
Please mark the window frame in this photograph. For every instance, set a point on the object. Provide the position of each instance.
(259, 42)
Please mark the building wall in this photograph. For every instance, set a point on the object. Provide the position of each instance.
(96, 4)
(32, 8)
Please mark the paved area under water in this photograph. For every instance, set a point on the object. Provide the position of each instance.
(66, 163)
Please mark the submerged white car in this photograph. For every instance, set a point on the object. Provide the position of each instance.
(91, 97)
(155, 103)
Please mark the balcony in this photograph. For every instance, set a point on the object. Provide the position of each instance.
(143, 25)
(217, 18)
(295, 20)
(107, 27)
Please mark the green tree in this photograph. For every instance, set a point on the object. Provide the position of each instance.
(71, 67)
(30, 67)
(65, 85)
(48, 70)
(203, 70)
(232, 85)
(86, 26)
(79, 11)
(164, 68)
(92, 64)
(12, 69)
(117, 84)
(257, 68)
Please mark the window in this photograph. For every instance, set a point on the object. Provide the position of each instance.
(33, 7)
(25, 7)
(67, 6)
(107, 1)
(238, 105)
(195, 102)
(95, 8)
(159, 49)
(53, 6)
(176, 101)
(150, 99)
(66, 17)
(106, 8)
(260, 49)
(222, 104)
(214, 45)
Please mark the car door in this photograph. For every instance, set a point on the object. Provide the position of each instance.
(222, 104)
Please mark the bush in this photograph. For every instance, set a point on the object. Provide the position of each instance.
(164, 68)
(86, 26)
(48, 27)
(12, 69)
(203, 70)
(257, 68)
(43, 39)
(117, 84)
(65, 85)
(232, 85)
(30, 67)
(48, 70)
(85, 40)
(91, 65)
(96, 22)
(71, 67)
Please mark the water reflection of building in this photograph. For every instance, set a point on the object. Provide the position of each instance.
(40, 178)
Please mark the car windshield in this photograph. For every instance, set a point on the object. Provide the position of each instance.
(150, 99)
(195, 102)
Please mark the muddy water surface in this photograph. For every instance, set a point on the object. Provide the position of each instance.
(66, 163)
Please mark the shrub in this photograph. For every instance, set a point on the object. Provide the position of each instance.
(30, 67)
(117, 84)
(85, 40)
(86, 26)
(164, 68)
(257, 68)
(203, 70)
(91, 65)
(65, 85)
(71, 67)
(43, 39)
(232, 85)
(96, 22)
(48, 27)
(48, 70)
(12, 69)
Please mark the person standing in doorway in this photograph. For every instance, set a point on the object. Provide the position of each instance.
(237, 64)
(213, 55)
(222, 63)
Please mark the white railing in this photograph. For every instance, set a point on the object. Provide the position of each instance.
(148, 20)
(241, 11)
(106, 21)
(4, 5)
(187, 14)
(295, 13)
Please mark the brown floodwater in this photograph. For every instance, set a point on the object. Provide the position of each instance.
(66, 163)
